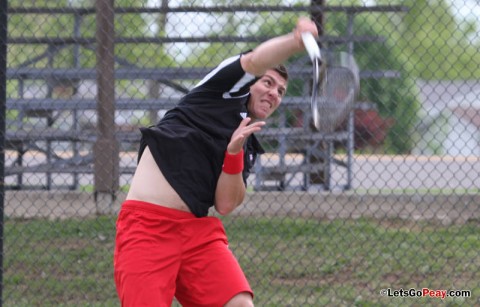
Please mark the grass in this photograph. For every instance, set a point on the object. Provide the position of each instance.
(90, 188)
(289, 262)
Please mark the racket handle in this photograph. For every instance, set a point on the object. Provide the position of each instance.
(311, 45)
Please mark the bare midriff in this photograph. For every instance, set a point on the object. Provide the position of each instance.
(149, 185)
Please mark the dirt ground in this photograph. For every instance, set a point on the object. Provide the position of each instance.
(445, 209)
(443, 189)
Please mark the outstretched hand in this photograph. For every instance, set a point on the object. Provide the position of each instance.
(244, 130)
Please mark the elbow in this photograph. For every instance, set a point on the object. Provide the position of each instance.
(250, 65)
(227, 206)
(229, 194)
(225, 209)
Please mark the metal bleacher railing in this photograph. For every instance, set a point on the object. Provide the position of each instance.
(22, 138)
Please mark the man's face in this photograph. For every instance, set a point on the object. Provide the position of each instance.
(266, 95)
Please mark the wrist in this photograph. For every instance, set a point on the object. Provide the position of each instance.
(233, 163)
(297, 38)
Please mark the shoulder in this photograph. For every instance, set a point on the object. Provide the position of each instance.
(227, 80)
(226, 67)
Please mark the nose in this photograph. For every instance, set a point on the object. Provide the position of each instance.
(273, 92)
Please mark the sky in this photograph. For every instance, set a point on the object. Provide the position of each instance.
(468, 10)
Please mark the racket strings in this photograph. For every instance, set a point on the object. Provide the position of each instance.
(335, 97)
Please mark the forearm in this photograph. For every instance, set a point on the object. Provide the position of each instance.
(230, 186)
(277, 50)
(271, 53)
(230, 192)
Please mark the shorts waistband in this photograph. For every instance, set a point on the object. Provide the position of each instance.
(157, 209)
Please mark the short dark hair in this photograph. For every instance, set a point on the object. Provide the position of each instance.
(282, 71)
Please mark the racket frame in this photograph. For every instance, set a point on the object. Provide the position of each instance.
(319, 73)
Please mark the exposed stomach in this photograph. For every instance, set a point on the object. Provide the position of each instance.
(149, 185)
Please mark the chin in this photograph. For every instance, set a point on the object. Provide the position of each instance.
(261, 115)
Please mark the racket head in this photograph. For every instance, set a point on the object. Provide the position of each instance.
(333, 87)
(335, 92)
(339, 97)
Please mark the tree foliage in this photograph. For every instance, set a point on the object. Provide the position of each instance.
(435, 40)
(394, 97)
(427, 42)
(58, 26)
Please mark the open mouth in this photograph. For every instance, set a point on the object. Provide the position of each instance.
(268, 104)
(265, 108)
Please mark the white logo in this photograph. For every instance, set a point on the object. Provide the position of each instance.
(243, 114)
(227, 95)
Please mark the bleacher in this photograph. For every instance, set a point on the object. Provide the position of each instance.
(315, 148)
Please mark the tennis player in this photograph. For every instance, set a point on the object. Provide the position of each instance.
(199, 155)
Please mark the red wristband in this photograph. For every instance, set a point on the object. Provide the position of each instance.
(233, 164)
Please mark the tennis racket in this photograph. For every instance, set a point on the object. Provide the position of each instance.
(334, 85)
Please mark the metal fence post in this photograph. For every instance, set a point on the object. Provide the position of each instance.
(106, 148)
(3, 98)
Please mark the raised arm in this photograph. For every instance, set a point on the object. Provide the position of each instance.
(278, 49)
(230, 190)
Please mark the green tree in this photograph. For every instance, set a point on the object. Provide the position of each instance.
(427, 42)
(37, 26)
(68, 55)
(62, 26)
(437, 44)
(395, 97)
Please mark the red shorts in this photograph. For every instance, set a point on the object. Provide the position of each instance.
(162, 252)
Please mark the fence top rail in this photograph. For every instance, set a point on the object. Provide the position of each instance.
(132, 73)
(212, 9)
(51, 104)
(183, 39)
(160, 73)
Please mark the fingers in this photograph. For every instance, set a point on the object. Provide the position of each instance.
(245, 122)
(248, 129)
(305, 24)
(243, 131)
(246, 126)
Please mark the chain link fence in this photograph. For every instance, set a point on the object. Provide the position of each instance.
(384, 210)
